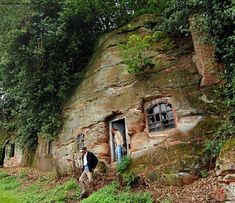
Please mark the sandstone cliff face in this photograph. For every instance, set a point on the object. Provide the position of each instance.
(225, 165)
(109, 95)
(10, 153)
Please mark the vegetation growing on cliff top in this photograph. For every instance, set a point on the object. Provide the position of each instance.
(48, 43)
(47, 56)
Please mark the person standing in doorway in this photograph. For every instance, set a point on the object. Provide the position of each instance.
(119, 142)
(89, 162)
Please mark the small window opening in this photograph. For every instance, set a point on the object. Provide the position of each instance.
(80, 141)
(12, 150)
(160, 117)
(50, 146)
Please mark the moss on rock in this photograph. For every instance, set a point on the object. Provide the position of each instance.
(205, 128)
(228, 147)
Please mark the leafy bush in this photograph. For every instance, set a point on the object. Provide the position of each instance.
(216, 18)
(134, 55)
(124, 164)
(129, 178)
(213, 146)
(47, 51)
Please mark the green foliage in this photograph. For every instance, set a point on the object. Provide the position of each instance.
(216, 18)
(110, 193)
(204, 173)
(47, 49)
(105, 195)
(124, 164)
(37, 191)
(137, 198)
(45, 46)
(9, 197)
(213, 146)
(134, 55)
(9, 183)
(22, 174)
(129, 178)
(3, 174)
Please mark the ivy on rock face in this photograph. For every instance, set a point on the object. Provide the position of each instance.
(47, 56)
(47, 44)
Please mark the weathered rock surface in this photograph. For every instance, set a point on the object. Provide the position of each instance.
(109, 93)
(225, 165)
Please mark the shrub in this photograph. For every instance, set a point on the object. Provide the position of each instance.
(129, 178)
(134, 55)
(124, 164)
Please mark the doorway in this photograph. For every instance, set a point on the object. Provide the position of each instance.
(2, 156)
(120, 125)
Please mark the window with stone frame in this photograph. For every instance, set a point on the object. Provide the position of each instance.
(49, 147)
(160, 117)
(80, 141)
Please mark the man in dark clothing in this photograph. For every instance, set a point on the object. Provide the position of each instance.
(89, 162)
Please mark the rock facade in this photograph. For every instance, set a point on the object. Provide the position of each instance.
(109, 95)
(13, 155)
(204, 57)
(225, 165)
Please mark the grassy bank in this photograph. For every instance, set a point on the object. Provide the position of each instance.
(29, 186)
(21, 187)
(7, 197)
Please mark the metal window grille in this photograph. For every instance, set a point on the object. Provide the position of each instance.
(160, 117)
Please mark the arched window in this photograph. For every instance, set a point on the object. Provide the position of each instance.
(160, 117)
(80, 141)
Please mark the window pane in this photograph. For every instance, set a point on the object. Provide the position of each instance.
(170, 115)
(155, 125)
(156, 109)
(163, 107)
(160, 117)
(151, 119)
(163, 116)
(150, 111)
(169, 107)
(157, 117)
